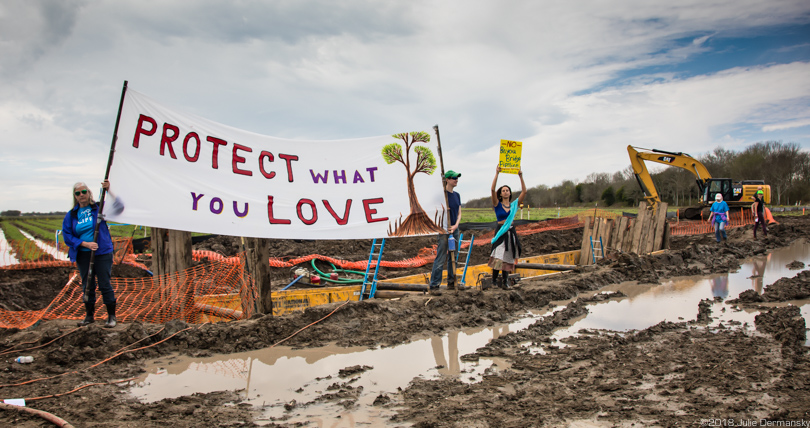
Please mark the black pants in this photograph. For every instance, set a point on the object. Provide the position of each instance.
(102, 271)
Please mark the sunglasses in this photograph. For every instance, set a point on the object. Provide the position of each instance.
(80, 192)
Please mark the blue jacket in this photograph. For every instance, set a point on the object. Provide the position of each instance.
(105, 245)
(719, 210)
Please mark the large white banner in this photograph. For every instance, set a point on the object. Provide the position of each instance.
(178, 171)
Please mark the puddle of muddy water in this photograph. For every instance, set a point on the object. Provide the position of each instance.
(307, 381)
(274, 377)
(677, 300)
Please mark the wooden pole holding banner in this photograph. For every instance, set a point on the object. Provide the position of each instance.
(450, 259)
(85, 297)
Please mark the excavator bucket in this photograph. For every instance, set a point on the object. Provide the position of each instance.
(769, 217)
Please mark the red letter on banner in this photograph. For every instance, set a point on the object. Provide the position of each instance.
(340, 221)
(371, 211)
(239, 159)
(270, 213)
(269, 156)
(289, 159)
(139, 130)
(196, 138)
(215, 157)
(301, 214)
(167, 140)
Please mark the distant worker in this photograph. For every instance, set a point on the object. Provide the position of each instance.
(506, 247)
(444, 251)
(758, 209)
(78, 230)
(719, 217)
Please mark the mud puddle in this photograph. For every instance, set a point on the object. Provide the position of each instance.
(677, 300)
(335, 386)
(302, 385)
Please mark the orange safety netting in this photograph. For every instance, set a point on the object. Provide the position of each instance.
(737, 218)
(180, 295)
(564, 223)
(195, 292)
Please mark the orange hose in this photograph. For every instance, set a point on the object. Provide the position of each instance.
(42, 414)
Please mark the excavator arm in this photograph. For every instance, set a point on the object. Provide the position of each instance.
(680, 160)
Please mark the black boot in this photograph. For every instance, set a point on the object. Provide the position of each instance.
(503, 283)
(90, 309)
(111, 321)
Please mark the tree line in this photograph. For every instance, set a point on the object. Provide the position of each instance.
(784, 166)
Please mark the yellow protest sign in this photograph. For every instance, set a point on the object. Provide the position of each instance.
(510, 156)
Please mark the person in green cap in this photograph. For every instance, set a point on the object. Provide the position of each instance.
(758, 209)
(448, 242)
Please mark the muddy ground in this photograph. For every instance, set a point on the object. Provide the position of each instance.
(671, 374)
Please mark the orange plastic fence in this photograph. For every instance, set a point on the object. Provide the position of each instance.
(571, 222)
(151, 299)
(189, 294)
(737, 218)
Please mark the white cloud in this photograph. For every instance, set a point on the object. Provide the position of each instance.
(787, 125)
(539, 72)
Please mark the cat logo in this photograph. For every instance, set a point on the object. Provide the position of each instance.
(667, 159)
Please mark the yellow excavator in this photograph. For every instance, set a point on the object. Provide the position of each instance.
(736, 194)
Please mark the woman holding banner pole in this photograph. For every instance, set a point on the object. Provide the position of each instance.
(505, 245)
(79, 231)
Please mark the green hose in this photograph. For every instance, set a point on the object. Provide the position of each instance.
(326, 277)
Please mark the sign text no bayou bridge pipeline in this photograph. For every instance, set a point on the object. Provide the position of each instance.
(510, 156)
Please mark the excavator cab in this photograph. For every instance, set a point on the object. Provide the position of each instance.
(736, 194)
(724, 187)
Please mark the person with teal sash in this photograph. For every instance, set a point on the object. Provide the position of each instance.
(719, 217)
(505, 245)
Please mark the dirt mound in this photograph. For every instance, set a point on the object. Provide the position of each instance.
(31, 289)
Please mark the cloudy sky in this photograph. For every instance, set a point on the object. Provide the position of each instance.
(575, 81)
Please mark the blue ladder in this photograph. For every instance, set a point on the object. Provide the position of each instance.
(597, 245)
(467, 258)
(376, 250)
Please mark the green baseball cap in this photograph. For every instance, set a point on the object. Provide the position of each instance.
(760, 192)
(451, 174)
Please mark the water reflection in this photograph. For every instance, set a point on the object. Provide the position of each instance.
(437, 344)
(758, 271)
(720, 286)
(677, 299)
(272, 377)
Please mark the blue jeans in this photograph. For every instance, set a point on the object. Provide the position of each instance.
(720, 230)
(102, 271)
(441, 258)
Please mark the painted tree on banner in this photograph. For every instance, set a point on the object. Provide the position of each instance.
(417, 222)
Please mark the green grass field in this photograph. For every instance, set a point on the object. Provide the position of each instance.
(46, 226)
(486, 215)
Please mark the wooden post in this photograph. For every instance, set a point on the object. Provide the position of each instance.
(258, 254)
(604, 233)
(638, 227)
(585, 251)
(171, 256)
(660, 221)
